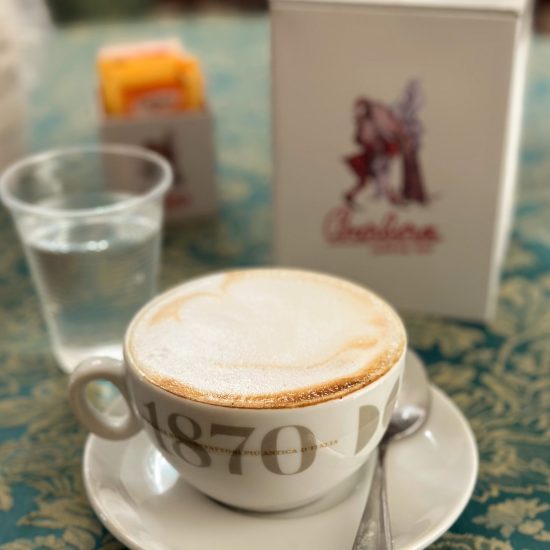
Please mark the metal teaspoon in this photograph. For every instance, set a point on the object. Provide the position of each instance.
(410, 413)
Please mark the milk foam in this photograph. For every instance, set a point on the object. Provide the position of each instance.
(265, 337)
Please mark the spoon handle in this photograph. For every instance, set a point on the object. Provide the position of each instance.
(374, 531)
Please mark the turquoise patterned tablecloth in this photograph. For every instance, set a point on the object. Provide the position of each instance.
(498, 375)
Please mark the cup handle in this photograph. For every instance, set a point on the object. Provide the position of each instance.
(102, 368)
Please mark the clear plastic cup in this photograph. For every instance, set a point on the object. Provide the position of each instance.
(90, 221)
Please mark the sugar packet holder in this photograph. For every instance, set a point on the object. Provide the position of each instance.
(186, 140)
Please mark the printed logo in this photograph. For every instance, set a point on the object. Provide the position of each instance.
(389, 140)
(386, 134)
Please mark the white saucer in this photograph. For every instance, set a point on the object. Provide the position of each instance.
(143, 502)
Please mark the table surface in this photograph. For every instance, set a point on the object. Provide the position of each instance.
(497, 374)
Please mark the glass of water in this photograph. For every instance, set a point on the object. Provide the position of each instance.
(90, 220)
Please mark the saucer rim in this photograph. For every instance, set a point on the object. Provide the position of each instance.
(418, 544)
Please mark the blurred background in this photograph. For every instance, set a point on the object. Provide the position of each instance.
(69, 11)
(66, 11)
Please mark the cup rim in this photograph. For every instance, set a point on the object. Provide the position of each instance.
(336, 401)
(17, 205)
(331, 401)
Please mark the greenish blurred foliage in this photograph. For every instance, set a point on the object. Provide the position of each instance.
(68, 11)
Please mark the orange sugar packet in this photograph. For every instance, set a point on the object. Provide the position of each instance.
(149, 77)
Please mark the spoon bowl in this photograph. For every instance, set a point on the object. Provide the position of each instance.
(413, 402)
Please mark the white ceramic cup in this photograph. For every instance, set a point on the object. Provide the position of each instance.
(255, 459)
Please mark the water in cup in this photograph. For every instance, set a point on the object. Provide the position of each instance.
(93, 276)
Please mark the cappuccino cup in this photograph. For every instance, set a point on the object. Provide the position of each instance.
(264, 388)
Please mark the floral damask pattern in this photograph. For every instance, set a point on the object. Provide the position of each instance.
(519, 515)
(497, 374)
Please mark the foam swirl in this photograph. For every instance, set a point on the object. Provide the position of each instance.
(265, 338)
